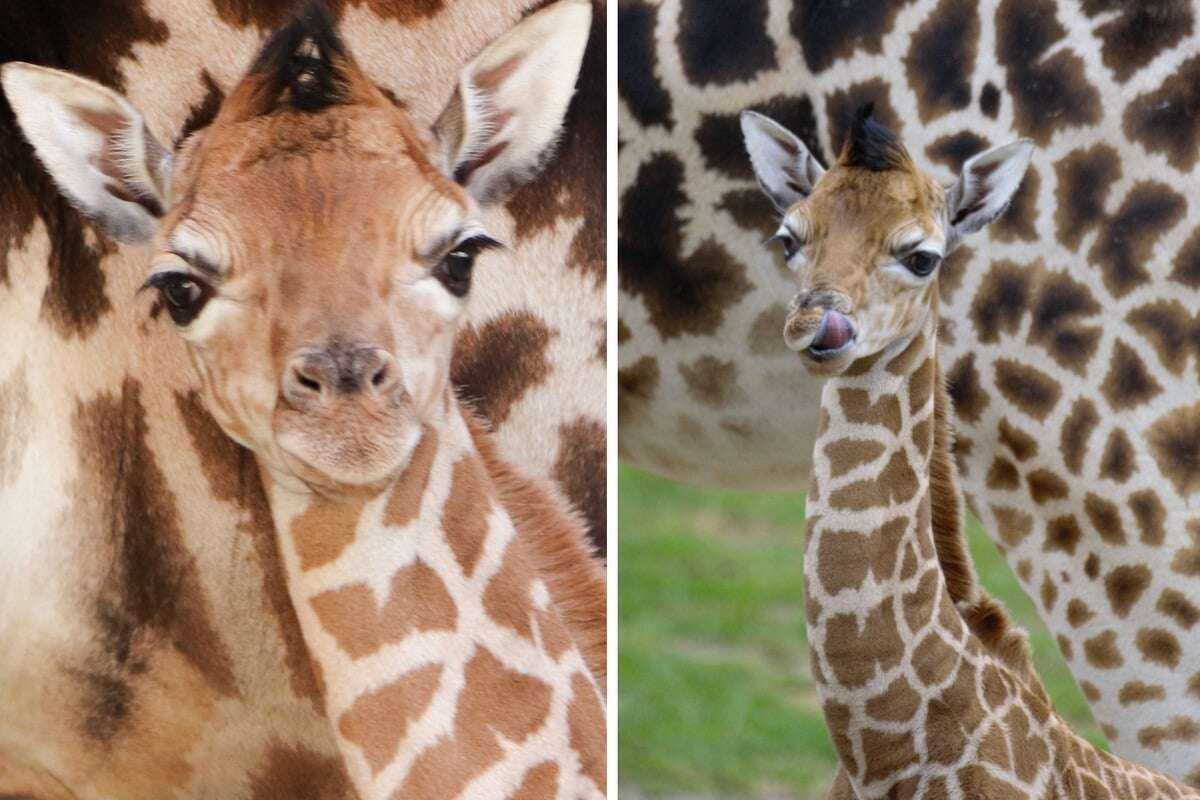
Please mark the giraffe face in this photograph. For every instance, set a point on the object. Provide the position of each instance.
(865, 238)
(313, 246)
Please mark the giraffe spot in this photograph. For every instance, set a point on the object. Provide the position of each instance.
(1027, 388)
(712, 382)
(1187, 262)
(1159, 646)
(1179, 729)
(953, 149)
(718, 46)
(1105, 518)
(682, 294)
(950, 276)
(1076, 431)
(920, 387)
(896, 483)
(325, 529)
(1012, 525)
(508, 601)
(922, 436)
(1020, 444)
(585, 722)
(1064, 647)
(1126, 243)
(1090, 692)
(581, 461)
(496, 363)
(1059, 310)
(719, 137)
(638, 78)
(232, 475)
(1164, 120)
(200, 115)
(465, 515)
(540, 781)
(941, 58)
(1124, 586)
(1128, 383)
(853, 653)
(1138, 32)
(966, 392)
(14, 430)
(751, 211)
(1003, 474)
(1168, 327)
(1101, 651)
(897, 703)
(1062, 533)
(1044, 486)
(1049, 92)
(857, 407)
(1078, 612)
(404, 502)
(842, 104)
(840, 564)
(446, 767)
(377, 721)
(993, 748)
(890, 753)
(151, 595)
(1177, 606)
(1193, 685)
(1049, 592)
(636, 385)
(1085, 177)
(1091, 566)
(295, 771)
(1118, 461)
(418, 601)
(837, 720)
(1174, 442)
(1150, 515)
(933, 659)
(846, 454)
(1187, 559)
(976, 781)
(765, 338)
(828, 32)
(1138, 692)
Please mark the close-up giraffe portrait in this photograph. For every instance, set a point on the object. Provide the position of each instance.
(303, 421)
(908, 385)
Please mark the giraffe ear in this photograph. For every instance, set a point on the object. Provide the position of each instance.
(95, 146)
(986, 187)
(506, 114)
(786, 170)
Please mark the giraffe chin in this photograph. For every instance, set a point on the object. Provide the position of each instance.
(347, 451)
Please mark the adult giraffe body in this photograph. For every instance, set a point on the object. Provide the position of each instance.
(152, 647)
(1068, 342)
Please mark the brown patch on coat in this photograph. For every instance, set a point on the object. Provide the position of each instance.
(636, 385)
(1044, 486)
(855, 650)
(1076, 431)
(418, 601)
(1138, 32)
(269, 14)
(1177, 606)
(712, 382)
(323, 531)
(580, 470)
(1105, 518)
(1126, 241)
(1085, 178)
(1118, 461)
(378, 720)
(404, 502)
(555, 544)
(540, 781)
(293, 771)
(232, 475)
(1101, 651)
(751, 211)
(495, 702)
(1125, 585)
(1170, 329)
(508, 601)
(1048, 93)
(1000, 302)
(1159, 646)
(1128, 383)
(201, 115)
(151, 596)
(1174, 442)
(1061, 310)
(1165, 121)
(828, 32)
(586, 726)
(965, 389)
(1179, 729)
(719, 137)
(857, 407)
(1026, 387)
(941, 59)
(1187, 262)
(496, 363)
(682, 294)
(465, 515)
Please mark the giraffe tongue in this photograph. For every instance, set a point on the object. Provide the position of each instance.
(835, 332)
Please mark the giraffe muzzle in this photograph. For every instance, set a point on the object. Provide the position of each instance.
(818, 331)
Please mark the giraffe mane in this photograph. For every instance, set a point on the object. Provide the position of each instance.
(871, 146)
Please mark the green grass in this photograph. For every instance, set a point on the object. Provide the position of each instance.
(715, 693)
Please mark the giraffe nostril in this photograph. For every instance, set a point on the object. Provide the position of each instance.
(307, 382)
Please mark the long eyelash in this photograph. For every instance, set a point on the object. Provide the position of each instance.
(479, 243)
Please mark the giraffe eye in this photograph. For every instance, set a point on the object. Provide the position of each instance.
(921, 263)
(183, 294)
(791, 245)
(454, 270)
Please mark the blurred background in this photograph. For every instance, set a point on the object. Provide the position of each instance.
(716, 699)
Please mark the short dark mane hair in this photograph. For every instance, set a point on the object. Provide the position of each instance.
(870, 145)
(302, 62)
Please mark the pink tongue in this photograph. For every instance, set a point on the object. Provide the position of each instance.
(836, 332)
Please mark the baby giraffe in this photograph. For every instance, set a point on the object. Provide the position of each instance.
(315, 250)
(925, 689)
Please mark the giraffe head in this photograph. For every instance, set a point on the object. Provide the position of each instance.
(865, 238)
(314, 246)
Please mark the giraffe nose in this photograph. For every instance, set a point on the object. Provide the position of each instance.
(319, 375)
(835, 332)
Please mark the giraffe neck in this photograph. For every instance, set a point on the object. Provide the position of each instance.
(445, 665)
